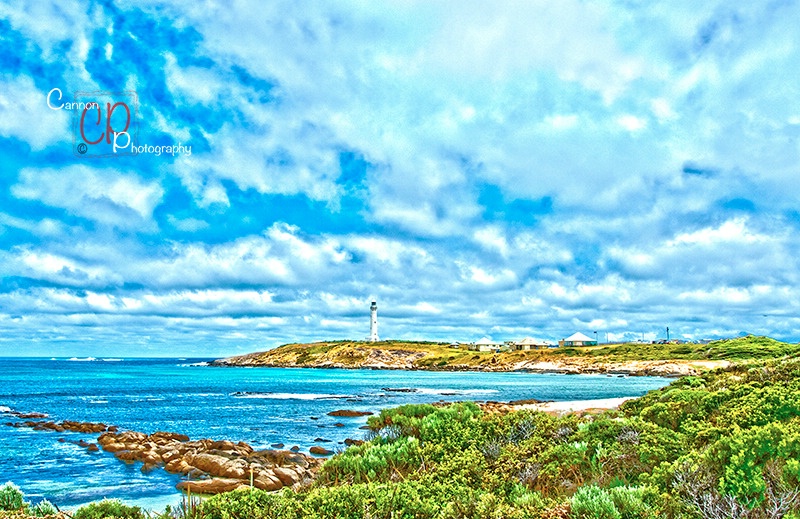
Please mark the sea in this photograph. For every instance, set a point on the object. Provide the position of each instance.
(261, 406)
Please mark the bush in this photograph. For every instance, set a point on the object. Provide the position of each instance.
(11, 497)
(630, 502)
(109, 508)
(252, 504)
(592, 502)
(402, 500)
(43, 509)
(406, 416)
(373, 462)
(525, 499)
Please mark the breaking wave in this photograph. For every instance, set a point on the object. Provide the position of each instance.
(289, 396)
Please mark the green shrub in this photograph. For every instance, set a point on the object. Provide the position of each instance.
(407, 416)
(43, 509)
(454, 428)
(592, 502)
(11, 497)
(251, 504)
(630, 503)
(109, 508)
(526, 500)
(373, 462)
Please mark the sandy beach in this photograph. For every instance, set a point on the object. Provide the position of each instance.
(572, 406)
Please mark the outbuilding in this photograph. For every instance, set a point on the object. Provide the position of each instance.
(530, 343)
(577, 339)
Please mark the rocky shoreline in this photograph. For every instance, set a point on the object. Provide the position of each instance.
(210, 466)
(216, 466)
(566, 366)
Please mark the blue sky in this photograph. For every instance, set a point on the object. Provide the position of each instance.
(480, 168)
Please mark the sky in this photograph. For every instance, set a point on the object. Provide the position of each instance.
(500, 169)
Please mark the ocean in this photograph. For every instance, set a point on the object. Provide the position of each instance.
(261, 406)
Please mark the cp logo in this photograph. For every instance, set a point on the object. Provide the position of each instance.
(105, 115)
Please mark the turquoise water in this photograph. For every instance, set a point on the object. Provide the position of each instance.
(260, 406)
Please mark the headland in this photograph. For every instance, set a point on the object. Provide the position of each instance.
(666, 360)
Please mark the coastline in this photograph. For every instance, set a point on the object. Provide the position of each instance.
(674, 359)
(97, 405)
(224, 466)
(220, 465)
(573, 366)
(629, 359)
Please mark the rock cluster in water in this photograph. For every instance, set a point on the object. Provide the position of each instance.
(66, 425)
(348, 413)
(213, 466)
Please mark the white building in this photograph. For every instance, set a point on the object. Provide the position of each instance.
(373, 322)
(530, 343)
(485, 344)
(577, 339)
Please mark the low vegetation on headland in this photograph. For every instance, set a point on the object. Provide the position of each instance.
(721, 444)
(630, 358)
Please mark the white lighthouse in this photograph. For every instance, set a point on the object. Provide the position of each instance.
(373, 322)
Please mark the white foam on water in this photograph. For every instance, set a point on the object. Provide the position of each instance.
(291, 396)
(93, 398)
(430, 391)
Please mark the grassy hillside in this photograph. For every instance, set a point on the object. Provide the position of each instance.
(432, 355)
(740, 348)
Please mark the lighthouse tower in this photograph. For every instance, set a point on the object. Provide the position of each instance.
(373, 322)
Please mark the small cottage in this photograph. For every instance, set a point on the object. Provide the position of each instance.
(485, 344)
(577, 339)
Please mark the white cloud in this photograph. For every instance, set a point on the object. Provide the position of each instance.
(103, 195)
(583, 116)
(491, 238)
(731, 232)
(24, 115)
(631, 122)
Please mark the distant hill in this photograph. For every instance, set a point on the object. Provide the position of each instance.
(740, 348)
(630, 358)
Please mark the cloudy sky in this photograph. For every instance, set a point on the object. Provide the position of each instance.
(496, 169)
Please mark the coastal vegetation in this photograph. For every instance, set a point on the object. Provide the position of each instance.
(633, 358)
(12, 501)
(724, 443)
